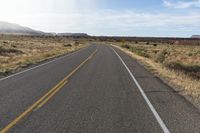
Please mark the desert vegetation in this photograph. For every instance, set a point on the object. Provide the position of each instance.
(178, 64)
(17, 52)
(182, 58)
(174, 59)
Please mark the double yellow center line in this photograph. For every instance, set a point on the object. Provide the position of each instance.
(44, 99)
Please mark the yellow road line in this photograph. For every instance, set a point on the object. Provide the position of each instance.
(51, 95)
(44, 99)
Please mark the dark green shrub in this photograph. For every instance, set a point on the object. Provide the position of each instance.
(193, 71)
(76, 43)
(10, 50)
(67, 45)
(161, 56)
(190, 54)
(139, 52)
(154, 44)
(125, 46)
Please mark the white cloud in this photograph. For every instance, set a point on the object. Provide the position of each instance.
(109, 22)
(83, 16)
(182, 4)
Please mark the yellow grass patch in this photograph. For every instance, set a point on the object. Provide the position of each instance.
(20, 51)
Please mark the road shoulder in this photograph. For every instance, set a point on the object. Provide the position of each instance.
(172, 107)
(152, 68)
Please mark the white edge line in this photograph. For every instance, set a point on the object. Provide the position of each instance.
(158, 118)
(43, 64)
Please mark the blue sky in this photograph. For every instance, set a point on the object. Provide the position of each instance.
(131, 4)
(177, 18)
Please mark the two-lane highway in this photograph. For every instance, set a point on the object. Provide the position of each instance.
(99, 90)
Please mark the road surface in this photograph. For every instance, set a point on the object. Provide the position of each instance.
(98, 89)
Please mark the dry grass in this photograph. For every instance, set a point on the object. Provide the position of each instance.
(162, 59)
(17, 52)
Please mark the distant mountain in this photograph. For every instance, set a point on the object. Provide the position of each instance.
(11, 28)
(195, 36)
(73, 34)
(15, 29)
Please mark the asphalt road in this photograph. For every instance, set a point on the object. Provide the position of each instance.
(98, 89)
